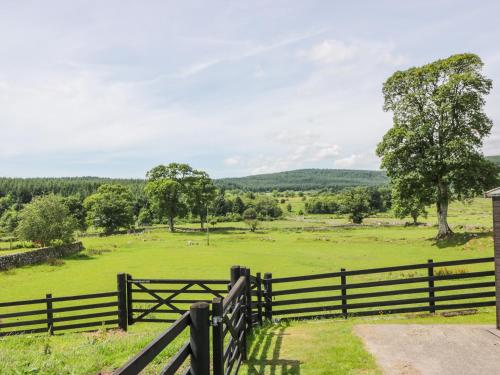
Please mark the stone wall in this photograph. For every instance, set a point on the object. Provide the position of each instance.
(38, 255)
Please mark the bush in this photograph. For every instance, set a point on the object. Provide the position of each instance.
(110, 208)
(46, 219)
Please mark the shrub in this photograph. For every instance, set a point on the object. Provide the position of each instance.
(46, 219)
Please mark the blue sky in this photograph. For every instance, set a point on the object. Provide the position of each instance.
(113, 88)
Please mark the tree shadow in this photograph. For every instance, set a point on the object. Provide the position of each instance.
(459, 239)
(264, 356)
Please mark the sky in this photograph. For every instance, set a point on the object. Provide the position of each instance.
(114, 88)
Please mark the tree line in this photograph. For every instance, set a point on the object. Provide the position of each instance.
(170, 192)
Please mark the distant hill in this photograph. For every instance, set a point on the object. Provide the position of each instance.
(306, 179)
(495, 159)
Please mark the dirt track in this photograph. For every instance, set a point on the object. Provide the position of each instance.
(432, 349)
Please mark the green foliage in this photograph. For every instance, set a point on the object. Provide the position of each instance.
(146, 217)
(200, 192)
(250, 217)
(23, 190)
(77, 210)
(165, 196)
(238, 205)
(289, 207)
(110, 208)
(6, 203)
(46, 219)
(407, 205)
(175, 189)
(323, 204)
(250, 214)
(356, 204)
(305, 179)
(9, 221)
(267, 207)
(433, 150)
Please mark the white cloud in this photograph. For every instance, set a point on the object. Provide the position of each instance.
(366, 160)
(232, 161)
(333, 51)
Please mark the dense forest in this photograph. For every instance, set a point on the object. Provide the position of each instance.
(306, 179)
(24, 189)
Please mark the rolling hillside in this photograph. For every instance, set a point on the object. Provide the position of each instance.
(305, 179)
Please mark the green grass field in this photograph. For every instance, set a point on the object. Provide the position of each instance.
(293, 246)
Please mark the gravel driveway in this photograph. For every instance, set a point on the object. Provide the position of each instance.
(412, 349)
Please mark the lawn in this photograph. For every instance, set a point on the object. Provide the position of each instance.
(293, 246)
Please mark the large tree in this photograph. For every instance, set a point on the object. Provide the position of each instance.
(110, 208)
(166, 189)
(165, 195)
(433, 150)
(200, 191)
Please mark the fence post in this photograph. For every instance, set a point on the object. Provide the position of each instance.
(268, 296)
(343, 283)
(235, 275)
(130, 314)
(50, 314)
(248, 311)
(430, 273)
(199, 338)
(218, 336)
(259, 297)
(122, 301)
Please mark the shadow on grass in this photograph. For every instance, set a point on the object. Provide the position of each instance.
(460, 239)
(79, 257)
(264, 356)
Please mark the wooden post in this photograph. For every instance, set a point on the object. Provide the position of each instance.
(496, 239)
(268, 296)
(343, 283)
(430, 273)
(248, 311)
(259, 297)
(235, 275)
(199, 338)
(122, 301)
(218, 336)
(50, 314)
(130, 314)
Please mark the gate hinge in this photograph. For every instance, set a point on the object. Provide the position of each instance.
(216, 320)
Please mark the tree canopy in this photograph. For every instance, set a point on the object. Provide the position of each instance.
(46, 219)
(110, 208)
(433, 150)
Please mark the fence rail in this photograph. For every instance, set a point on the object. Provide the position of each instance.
(244, 301)
(163, 300)
(50, 314)
(312, 296)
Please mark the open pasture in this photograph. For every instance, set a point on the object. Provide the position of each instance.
(293, 246)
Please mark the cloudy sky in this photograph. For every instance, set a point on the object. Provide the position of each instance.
(112, 88)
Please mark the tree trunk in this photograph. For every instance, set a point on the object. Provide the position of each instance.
(444, 230)
(415, 218)
(202, 221)
(171, 224)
